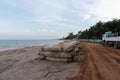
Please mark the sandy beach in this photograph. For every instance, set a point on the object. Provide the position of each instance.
(24, 64)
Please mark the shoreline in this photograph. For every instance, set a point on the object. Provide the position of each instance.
(2, 50)
(24, 63)
(20, 47)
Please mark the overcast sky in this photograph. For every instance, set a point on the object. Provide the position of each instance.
(47, 19)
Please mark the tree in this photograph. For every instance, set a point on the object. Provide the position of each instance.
(71, 36)
(96, 31)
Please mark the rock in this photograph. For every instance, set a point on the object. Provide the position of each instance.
(58, 59)
(76, 50)
(55, 54)
(42, 57)
(75, 42)
(53, 48)
(41, 49)
(60, 52)
(67, 47)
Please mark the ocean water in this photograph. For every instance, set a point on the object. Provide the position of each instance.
(12, 44)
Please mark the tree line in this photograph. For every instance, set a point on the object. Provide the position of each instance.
(96, 31)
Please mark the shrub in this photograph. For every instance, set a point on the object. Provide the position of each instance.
(77, 59)
(81, 49)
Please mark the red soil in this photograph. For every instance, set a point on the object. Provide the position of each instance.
(101, 63)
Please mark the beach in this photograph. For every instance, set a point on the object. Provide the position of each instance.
(99, 63)
(14, 44)
(24, 64)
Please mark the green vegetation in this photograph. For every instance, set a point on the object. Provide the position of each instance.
(96, 31)
(71, 36)
(93, 41)
(65, 41)
(77, 59)
(81, 49)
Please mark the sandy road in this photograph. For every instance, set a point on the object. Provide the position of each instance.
(101, 63)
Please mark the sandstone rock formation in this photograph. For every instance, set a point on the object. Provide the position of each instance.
(59, 52)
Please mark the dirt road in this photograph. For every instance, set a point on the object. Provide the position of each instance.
(101, 63)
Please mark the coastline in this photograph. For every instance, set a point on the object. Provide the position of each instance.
(2, 50)
(32, 45)
(9, 49)
(24, 63)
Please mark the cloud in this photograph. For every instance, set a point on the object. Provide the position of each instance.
(106, 9)
(58, 17)
(86, 17)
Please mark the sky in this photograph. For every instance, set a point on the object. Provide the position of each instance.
(52, 19)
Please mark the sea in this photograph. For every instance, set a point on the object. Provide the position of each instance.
(13, 44)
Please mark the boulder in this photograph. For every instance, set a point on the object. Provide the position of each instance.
(42, 57)
(53, 48)
(41, 49)
(63, 52)
(74, 42)
(68, 47)
(55, 54)
(58, 59)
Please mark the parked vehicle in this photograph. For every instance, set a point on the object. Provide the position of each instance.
(112, 39)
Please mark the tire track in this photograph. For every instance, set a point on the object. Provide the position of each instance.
(99, 65)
